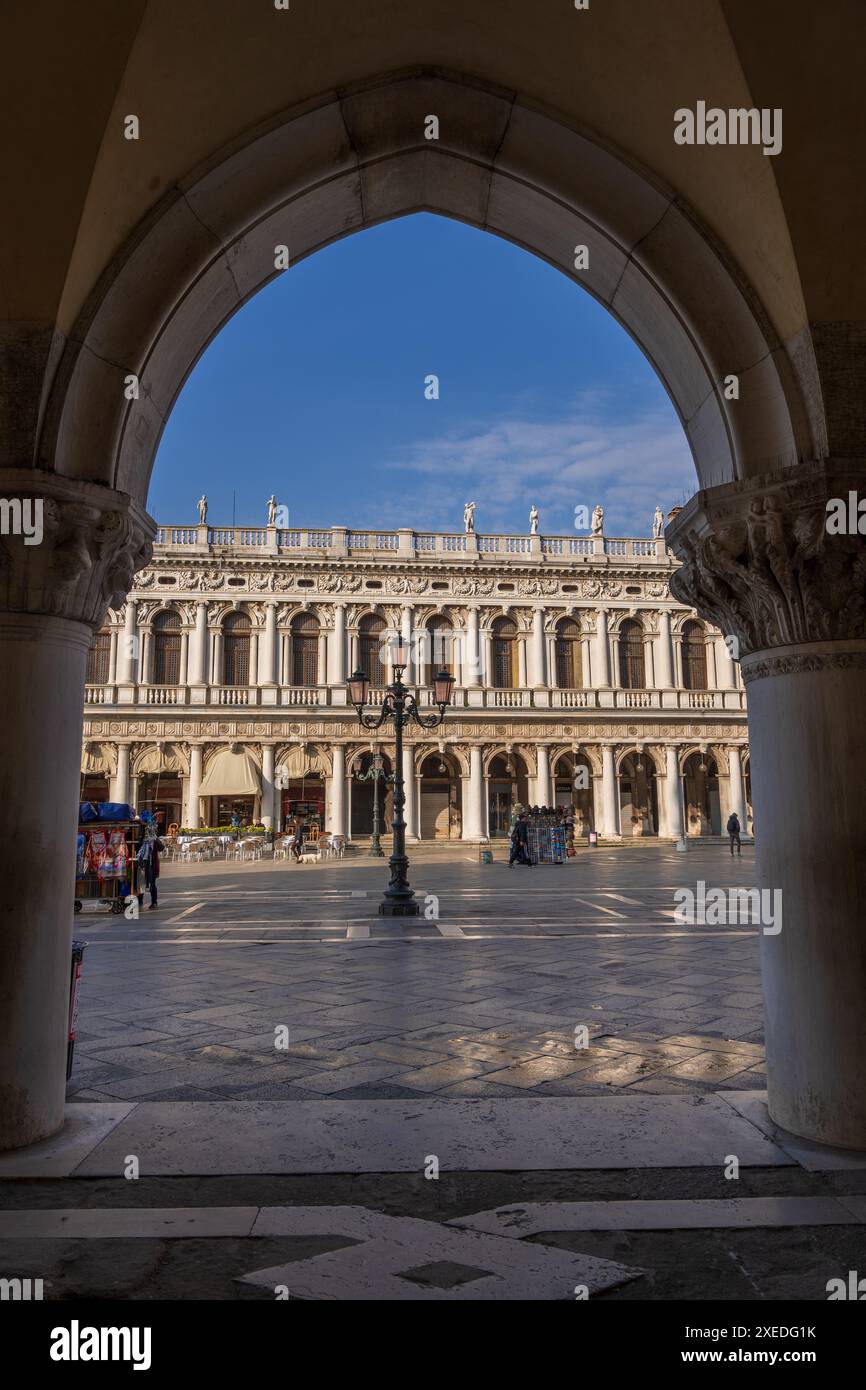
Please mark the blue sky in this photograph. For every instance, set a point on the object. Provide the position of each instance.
(314, 391)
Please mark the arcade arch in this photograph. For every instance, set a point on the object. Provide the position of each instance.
(145, 305)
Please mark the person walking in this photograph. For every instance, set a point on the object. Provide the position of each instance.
(520, 843)
(733, 828)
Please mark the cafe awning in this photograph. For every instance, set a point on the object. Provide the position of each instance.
(231, 774)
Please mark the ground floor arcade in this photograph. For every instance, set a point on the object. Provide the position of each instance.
(454, 791)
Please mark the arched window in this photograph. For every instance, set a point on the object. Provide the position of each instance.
(504, 647)
(166, 648)
(569, 671)
(694, 657)
(98, 658)
(440, 647)
(305, 649)
(236, 649)
(632, 675)
(369, 645)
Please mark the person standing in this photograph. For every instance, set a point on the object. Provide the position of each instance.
(148, 857)
(733, 828)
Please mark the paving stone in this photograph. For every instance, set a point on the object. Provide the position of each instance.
(537, 1070)
(403, 1258)
(343, 1078)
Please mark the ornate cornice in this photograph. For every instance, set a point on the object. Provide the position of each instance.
(759, 563)
(93, 541)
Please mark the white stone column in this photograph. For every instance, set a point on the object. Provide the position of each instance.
(322, 663)
(542, 781)
(538, 676)
(487, 668)
(457, 649)
(268, 786)
(43, 662)
(724, 665)
(664, 656)
(198, 667)
(673, 794)
(337, 648)
(521, 663)
(601, 656)
(473, 819)
(130, 652)
(268, 647)
(120, 786)
(609, 798)
(355, 653)
(195, 766)
(472, 652)
(406, 635)
(410, 810)
(184, 658)
(146, 639)
(804, 664)
(112, 657)
(338, 790)
(217, 671)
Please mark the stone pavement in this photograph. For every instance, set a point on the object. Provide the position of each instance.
(185, 1003)
(447, 1040)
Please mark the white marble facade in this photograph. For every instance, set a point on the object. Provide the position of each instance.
(579, 679)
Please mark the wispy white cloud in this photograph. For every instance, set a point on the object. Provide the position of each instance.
(627, 464)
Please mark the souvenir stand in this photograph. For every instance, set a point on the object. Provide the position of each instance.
(546, 839)
(107, 871)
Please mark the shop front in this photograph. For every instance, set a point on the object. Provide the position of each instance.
(303, 801)
(162, 795)
(231, 789)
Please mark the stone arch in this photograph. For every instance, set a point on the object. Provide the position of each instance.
(688, 615)
(453, 756)
(643, 750)
(685, 751)
(339, 164)
(501, 750)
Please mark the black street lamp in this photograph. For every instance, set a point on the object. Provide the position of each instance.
(375, 773)
(400, 705)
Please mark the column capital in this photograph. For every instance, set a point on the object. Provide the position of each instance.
(758, 561)
(91, 542)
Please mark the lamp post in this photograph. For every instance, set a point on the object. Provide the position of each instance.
(375, 773)
(400, 705)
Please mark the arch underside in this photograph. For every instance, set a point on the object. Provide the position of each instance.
(359, 159)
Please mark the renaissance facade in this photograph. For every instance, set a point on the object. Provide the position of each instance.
(219, 689)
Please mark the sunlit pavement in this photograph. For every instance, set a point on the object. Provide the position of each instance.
(284, 1066)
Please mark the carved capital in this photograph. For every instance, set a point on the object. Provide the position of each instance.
(92, 542)
(758, 562)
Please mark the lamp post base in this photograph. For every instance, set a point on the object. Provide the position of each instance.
(375, 851)
(400, 907)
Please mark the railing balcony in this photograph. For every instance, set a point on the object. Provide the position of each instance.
(162, 694)
(99, 694)
(372, 540)
(508, 699)
(573, 699)
(344, 541)
(232, 695)
(303, 695)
